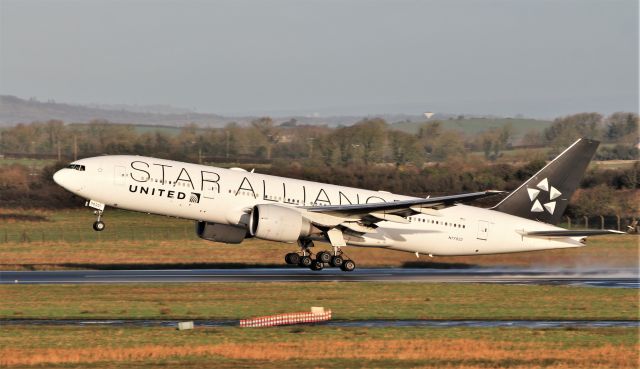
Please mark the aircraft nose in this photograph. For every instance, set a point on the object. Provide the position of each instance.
(67, 179)
(60, 177)
(57, 176)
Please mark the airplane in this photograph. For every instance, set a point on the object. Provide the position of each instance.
(230, 205)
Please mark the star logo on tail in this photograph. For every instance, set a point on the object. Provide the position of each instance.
(537, 206)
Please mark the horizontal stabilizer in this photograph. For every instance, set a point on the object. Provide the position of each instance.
(571, 233)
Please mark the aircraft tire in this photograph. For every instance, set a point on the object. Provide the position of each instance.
(292, 258)
(316, 265)
(336, 261)
(98, 226)
(305, 261)
(348, 266)
(323, 257)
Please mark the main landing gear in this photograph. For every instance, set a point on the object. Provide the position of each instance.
(305, 258)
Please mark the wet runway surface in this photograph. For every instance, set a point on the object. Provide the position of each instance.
(531, 324)
(613, 278)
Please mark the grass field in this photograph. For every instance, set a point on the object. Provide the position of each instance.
(167, 130)
(614, 164)
(317, 347)
(347, 301)
(42, 240)
(74, 226)
(36, 164)
(474, 126)
(517, 156)
(64, 240)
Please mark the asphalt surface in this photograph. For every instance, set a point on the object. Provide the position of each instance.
(620, 278)
(533, 324)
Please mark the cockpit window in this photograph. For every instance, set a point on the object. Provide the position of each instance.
(76, 167)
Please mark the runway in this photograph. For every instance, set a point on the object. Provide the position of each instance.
(613, 278)
(369, 323)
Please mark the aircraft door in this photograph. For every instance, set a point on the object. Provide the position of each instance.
(119, 174)
(483, 230)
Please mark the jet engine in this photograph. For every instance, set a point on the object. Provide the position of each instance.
(220, 232)
(278, 223)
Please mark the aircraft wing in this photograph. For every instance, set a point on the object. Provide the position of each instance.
(571, 233)
(396, 211)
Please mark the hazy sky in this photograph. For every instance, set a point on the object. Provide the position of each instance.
(537, 58)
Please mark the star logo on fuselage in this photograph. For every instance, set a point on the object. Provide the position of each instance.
(534, 196)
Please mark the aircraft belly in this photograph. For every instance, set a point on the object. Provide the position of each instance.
(460, 242)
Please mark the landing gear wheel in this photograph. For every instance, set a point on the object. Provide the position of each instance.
(98, 225)
(336, 261)
(348, 266)
(323, 257)
(316, 265)
(292, 258)
(305, 261)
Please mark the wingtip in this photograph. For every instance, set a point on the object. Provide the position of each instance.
(495, 192)
(613, 231)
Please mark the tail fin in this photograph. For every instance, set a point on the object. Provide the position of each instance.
(545, 196)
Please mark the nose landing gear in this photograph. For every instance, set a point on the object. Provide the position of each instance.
(98, 225)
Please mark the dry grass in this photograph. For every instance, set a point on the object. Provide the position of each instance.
(64, 240)
(455, 352)
(315, 346)
(620, 251)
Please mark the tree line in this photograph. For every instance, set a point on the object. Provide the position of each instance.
(370, 141)
(602, 191)
(370, 154)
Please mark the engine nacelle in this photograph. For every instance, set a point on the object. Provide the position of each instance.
(278, 223)
(220, 232)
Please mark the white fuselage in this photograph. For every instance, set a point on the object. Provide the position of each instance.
(217, 195)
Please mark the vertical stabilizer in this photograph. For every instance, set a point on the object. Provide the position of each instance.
(545, 196)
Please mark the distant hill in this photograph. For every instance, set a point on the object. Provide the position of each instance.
(473, 126)
(15, 110)
(153, 109)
